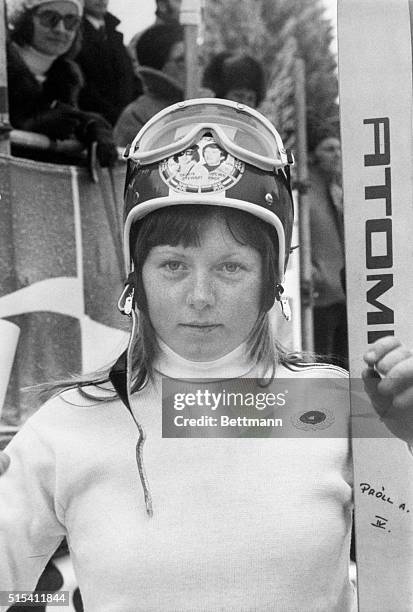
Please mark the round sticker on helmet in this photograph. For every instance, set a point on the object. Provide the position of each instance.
(201, 168)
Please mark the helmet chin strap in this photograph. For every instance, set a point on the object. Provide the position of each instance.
(126, 301)
(132, 295)
(283, 302)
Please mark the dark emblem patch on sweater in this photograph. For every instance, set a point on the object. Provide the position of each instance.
(313, 419)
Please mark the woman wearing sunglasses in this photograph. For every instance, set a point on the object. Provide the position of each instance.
(223, 519)
(44, 83)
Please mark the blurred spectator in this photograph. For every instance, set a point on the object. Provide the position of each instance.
(110, 81)
(161, 55)
(327, 244)
(44, 83)
(237, 77)
(166, 13)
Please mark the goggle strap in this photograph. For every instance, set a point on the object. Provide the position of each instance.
(287, 171)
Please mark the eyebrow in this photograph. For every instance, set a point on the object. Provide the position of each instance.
(182, 252)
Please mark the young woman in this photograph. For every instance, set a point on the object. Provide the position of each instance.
(44, 83)
(204, 523)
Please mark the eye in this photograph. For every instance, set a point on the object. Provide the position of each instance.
(173, 266)
(231, 267)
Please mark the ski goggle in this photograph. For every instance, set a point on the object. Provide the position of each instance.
(245, 134)
(50, 19)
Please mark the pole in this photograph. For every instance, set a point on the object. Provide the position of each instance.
(10, 337)
(303, 208)
(10, 332)
(190, 18)
(4, 106)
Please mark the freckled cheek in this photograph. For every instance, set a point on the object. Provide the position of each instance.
(164, 301)
(244, 303)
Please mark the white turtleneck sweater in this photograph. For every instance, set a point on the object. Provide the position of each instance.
(239, 524)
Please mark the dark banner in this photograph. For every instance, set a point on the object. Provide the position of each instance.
(60, 273)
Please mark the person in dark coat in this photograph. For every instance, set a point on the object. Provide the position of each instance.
(325, 197)
(44, 83)
(161, 55)
(110, 81)
(166, 13)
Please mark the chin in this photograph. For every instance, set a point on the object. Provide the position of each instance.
(57, 49)
(195, 352)
(204, 353)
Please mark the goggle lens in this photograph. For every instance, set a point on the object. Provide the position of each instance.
(50, 19)
(242, 133)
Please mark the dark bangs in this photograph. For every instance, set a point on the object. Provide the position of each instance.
(184, 225)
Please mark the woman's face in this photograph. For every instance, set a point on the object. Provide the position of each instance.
(53, 38)
(203, 300)
(328, 154)
(186, 159)
(175, 64)
(212, 155)
(96, 8)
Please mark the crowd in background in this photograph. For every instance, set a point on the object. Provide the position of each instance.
(70, 75)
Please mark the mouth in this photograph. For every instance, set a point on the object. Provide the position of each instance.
(200, 327)
(58, 41)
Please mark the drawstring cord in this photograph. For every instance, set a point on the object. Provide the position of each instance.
(142, 436)
(121, 378)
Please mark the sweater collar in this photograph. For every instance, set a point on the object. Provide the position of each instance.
(233, 365)
(109, 21)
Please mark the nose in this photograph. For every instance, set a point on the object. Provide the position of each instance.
(201, 292)
(60, 26)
